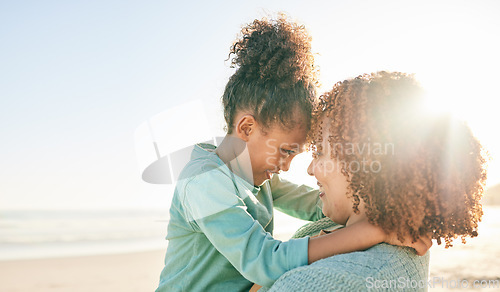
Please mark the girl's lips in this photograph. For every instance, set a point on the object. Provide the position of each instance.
(269, 174)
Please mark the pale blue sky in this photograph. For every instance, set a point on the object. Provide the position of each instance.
(78, 77)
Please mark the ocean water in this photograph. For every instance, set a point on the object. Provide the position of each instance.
(30, 234)
(27, 234)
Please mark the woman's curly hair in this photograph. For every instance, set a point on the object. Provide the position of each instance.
(275, 78)
(417, 173)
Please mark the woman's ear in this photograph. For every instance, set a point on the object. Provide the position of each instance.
(245, 127)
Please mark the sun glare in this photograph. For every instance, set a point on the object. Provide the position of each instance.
(477, 110)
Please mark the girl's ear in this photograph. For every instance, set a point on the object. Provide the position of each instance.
(245, 127)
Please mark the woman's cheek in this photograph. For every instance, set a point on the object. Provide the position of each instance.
(321, 170)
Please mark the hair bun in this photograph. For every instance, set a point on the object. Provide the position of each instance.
(278, 51)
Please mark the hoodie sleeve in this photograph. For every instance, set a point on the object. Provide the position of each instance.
(215, 207)
(300, 201)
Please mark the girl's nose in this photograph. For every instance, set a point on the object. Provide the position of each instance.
(285, 164)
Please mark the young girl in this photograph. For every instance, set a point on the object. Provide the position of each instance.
(221, 217)
(381, 156)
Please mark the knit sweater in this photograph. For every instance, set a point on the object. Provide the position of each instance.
(383, 267)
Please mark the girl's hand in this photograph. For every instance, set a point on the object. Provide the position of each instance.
(255, 288)
(421, 246)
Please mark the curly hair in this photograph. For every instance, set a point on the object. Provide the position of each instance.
(275, 78)
(422, 173)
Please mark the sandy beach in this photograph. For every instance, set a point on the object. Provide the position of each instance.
(121, 272)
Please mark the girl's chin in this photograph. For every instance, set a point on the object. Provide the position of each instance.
(258, 181)
(268, 174)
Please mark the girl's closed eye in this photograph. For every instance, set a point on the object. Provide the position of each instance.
(287, 152)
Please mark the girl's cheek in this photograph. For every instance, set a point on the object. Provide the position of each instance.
(272, 160)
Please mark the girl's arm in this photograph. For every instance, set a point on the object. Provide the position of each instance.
(299, 201)
(211, 207)
(303, 202)
(355, 237)
(358, 236)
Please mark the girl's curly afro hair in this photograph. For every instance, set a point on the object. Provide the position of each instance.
(275, 78)
(426, 171)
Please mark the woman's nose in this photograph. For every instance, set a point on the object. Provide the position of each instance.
(310, 168)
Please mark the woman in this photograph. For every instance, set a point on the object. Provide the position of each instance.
(379, 155)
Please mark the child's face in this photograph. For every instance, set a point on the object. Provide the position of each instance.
(332, 183)
(273, 151)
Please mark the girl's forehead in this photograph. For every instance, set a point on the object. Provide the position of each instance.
(289, 142)
(294, 136)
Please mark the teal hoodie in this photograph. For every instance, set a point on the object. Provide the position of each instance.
(220, 229)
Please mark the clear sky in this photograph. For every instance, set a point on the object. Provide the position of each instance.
(78, 77)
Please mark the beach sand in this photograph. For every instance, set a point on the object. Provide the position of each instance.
(120, 272)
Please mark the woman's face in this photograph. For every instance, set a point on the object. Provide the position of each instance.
(332, 183)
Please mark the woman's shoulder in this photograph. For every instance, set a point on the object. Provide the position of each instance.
(379, 258)
(358, 271)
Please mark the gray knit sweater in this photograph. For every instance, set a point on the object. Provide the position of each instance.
(381, 268)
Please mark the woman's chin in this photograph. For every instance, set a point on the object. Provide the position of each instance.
(335, 219)
(327, 214)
